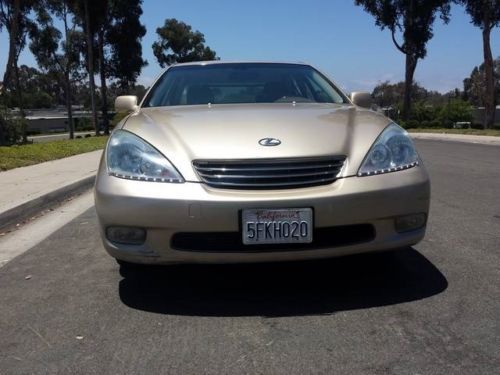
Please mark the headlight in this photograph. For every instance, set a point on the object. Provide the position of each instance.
(130, 157)
(392, 151)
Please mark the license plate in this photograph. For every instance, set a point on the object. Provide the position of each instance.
(275, 226)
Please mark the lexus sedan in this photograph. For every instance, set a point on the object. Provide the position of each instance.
(256, 162)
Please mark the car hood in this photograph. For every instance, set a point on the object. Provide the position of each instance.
(233, 131)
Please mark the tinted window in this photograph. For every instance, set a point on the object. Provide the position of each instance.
(242, 83)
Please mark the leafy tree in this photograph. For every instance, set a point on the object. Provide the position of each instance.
(11, 125)
(116, 89)
(126, 62)
(414, 19)
(485, 14)
(113, 33)
(88, 14)
(177, 42)
(39, 90)
(423, 112)
(14, 17)
(60, 57)
(474, 86)
(456, 110)
(119, 58)
(387, 94)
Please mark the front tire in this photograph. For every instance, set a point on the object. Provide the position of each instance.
(128, 265)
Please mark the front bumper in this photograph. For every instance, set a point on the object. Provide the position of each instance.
(164, 209)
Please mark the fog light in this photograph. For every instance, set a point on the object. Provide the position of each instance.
(126, 235)
(410, 222)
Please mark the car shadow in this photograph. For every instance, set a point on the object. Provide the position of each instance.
(283, 289)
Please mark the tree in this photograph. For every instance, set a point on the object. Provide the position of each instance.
(87, 14)
(89, 33)
(475, 85)
(177, 42)
(14, 17)
(39, 90)
(59, 56)
(113, 33)
(126, 60)
(414, 19)
(123, 59)
(456, 110)
(387, 94)
(485, 14)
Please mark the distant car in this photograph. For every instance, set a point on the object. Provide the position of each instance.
(256, 162)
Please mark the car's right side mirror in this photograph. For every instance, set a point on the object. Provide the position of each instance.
(126, 103)
(362, 99)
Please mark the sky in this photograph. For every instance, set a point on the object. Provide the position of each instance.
(335, 36)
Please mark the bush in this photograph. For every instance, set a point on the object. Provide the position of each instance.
(83, 124)
(425, 124)
(422, 112)
(117, 118)
(410, 124)
(11, 128)
(456, 110)
(435, 124)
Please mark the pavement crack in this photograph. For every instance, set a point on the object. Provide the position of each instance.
(39, 335)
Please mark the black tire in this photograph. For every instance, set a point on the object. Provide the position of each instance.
(127, 265)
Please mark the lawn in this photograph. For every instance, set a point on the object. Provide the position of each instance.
(23, 155)
(493, 132)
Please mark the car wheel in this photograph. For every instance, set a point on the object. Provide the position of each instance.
(127, 265)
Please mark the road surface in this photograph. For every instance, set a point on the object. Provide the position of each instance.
(432, 309)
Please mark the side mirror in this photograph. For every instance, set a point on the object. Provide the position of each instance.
(126, 103)
(362, 99)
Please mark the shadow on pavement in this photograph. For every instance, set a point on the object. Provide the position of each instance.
(283, 289)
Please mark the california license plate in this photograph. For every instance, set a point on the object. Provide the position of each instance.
(277, 226)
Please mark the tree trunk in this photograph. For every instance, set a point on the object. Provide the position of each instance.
(489, 97)
(102, 70)
(71, 125)
(20, 102)
(13, 29)
(411, 64)
(90, 62)
(67, 69)
(2, 133)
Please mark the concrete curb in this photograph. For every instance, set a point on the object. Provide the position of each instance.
(465, 138)
(30, 208)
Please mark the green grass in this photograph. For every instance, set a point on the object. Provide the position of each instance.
(493, 132)
(23, 155)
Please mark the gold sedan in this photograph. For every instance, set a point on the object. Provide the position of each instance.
(256, 162)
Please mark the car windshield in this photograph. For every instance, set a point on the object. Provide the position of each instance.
(242, 83)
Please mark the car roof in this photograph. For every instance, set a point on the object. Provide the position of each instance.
(219, 62)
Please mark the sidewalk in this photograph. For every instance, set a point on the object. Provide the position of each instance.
(28, 190)
(482, 139)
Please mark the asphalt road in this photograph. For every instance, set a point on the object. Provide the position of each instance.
(431, 309)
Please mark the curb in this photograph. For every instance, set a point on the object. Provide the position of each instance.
(28, 209)
(463, 138)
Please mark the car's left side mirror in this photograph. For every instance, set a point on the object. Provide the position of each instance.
(362, 99)
(126, 103)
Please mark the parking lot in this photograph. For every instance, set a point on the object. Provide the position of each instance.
(66, 307)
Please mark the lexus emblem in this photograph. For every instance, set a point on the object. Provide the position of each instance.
(269, 142)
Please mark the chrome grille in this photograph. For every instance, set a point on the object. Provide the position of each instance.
(269, 173)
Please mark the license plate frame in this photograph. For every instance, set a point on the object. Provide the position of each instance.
(266, 226)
